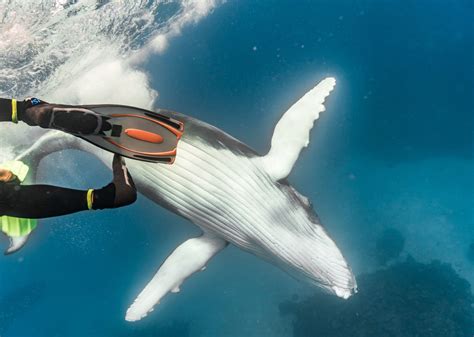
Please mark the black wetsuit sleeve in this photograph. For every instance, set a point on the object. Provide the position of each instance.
(5, 110)
(40, 201)
(6, 113)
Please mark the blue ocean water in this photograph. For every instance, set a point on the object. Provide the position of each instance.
(389, 170)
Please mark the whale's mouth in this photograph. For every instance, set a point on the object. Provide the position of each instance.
(344, 286)
(345, 293)
(349, 290)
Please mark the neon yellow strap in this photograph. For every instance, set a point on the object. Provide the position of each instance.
(16, 227)
(90, 198)
(14, 111)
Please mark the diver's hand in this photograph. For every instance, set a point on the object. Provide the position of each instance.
(71, 119)
(120, 192)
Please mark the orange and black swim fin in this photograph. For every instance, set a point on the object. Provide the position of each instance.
(137, 134)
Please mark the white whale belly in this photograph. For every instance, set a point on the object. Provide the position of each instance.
(215, 189)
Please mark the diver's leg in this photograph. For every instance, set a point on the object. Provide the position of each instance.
(72, 119)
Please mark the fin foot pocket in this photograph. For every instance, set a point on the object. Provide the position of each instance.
(79, 121)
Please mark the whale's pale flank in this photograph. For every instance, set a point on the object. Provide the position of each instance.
(235, 196)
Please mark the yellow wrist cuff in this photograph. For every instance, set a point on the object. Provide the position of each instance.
(90, 198)
(14, 111)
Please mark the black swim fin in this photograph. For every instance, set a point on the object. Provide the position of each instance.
(137, 134)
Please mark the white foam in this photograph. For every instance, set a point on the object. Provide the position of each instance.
(83, 52)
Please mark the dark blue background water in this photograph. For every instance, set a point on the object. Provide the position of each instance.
(393, 150)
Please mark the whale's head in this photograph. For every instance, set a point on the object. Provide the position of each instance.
(296, 241)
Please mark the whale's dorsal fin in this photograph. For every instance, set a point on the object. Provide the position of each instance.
(305, 200)
(190, 257)
(291, 133)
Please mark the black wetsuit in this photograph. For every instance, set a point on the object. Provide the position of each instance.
(42, 201)
(39, 201)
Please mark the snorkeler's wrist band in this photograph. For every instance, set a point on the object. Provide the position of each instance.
(90, 198)
(11, 110)
(8, 110)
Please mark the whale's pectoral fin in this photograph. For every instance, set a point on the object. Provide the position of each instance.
(190, 257)
(291, 133)
(47, 144)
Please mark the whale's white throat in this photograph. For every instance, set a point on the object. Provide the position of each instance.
(235, 196)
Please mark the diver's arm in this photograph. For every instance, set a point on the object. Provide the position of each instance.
(68, 118)
(43, 201)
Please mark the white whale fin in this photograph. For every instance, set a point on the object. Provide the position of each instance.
(291, 133)
(50, 142)
(190, 257)
(16, 243)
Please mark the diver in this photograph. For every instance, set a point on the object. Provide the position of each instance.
(42, 201)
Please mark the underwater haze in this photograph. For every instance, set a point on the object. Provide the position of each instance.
(389, 169)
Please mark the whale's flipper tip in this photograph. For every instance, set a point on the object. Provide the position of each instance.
(189, 258)
(134, 315)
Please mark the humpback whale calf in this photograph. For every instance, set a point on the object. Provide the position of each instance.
(235, 196)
